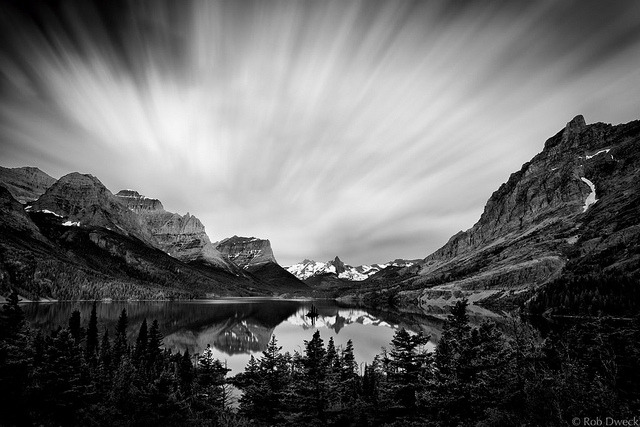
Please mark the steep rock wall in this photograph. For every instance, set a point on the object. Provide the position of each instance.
(182, 237)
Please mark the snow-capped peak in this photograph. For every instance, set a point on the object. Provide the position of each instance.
(308, 268)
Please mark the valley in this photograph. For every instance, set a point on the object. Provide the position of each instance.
(571, 212)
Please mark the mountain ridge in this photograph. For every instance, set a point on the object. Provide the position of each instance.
(79, 241)
(181, 236)
(573, 209)
(27, 183)
(308, 268)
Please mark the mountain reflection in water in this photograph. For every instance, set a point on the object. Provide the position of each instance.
(237, 328)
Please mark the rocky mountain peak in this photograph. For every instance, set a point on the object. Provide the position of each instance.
(25, 184)
(83, 199)
(537, 220)
(573, 128)
(339, 265)
(129, 193)
(575, 125)
(246, 251)
(139, 203)
(182, 237)
(81, 178)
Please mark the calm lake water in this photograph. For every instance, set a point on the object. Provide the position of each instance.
(238, 328)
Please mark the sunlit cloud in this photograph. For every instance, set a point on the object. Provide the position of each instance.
(369, 130)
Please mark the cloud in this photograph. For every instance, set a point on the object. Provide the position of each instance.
(369, 130)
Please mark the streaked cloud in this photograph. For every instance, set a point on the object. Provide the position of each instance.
(369, 130)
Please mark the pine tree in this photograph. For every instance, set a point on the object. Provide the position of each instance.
(154, 348)
(185, 373)
(75, 328)
(15, 360)
(252, 371)
(12, 317)
(140, 351)
(334, 384)
(120, 346)
(370, 384)
(264, 384)
(122, 394)
(105, 350)
(91, 350)
(62, 379)
(211, 379)
(314, 391)
(406, 367)
(469, 371)
(458, 319)
(314, 360)
(349, 366)
(332, 354)
(349, 378)
(273, 368)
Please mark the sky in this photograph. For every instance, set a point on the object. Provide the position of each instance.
(371, 130)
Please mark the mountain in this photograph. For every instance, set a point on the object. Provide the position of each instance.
(308, 269)
(79, 241)
(182, 237)
(26, 184)
(84, 200)
(246, 251)
(256, 256)
(14, 217)
(572, 211)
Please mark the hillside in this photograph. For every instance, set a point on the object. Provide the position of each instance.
(78, 241)
(26, 184)
(572, 211)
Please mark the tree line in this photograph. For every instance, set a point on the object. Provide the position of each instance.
(477, 375)
(593, 295)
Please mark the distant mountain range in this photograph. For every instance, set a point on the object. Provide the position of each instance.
(73, 239)
(571, 212)
(308, 269)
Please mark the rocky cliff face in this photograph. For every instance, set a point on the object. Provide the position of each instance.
(25, 184)
(182, 237)
(139, 203)
(14, 217)
(532, 222)
(256, 257)
(573, 209)
(246, 251)
(84, 201)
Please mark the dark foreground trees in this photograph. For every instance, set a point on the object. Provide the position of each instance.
(477, 375)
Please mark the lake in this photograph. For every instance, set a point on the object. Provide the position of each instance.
(236, 328)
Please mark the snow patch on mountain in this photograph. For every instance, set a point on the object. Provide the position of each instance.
(309, 268)
(591, 198)
(47, 211)
(599, 152)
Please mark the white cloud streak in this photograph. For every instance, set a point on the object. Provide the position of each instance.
(354, 128)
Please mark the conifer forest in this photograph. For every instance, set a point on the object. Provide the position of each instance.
(478, 375)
